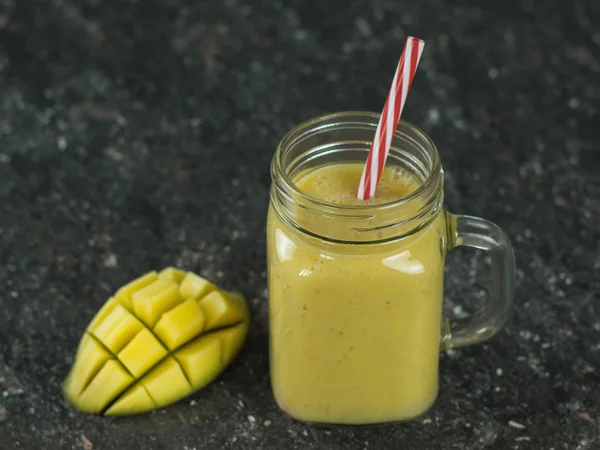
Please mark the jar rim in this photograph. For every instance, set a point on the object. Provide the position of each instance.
(278, 173)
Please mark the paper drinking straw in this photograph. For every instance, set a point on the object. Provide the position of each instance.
(409, 60)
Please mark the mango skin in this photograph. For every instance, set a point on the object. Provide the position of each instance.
(160, 338)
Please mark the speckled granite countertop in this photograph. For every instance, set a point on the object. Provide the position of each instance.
(120, 123)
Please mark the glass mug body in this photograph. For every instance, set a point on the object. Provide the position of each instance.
(355, 292)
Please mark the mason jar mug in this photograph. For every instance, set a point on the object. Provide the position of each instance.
(356, 289)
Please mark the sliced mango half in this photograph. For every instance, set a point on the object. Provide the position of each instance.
(160, 338)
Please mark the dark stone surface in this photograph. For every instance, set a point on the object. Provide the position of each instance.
(137, 134)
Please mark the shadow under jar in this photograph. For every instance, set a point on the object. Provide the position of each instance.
(356, 289)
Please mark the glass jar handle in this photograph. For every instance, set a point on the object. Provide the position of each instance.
(487, 236)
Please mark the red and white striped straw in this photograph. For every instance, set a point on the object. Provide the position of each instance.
(390, 116)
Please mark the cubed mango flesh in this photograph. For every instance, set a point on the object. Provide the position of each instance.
(173, 274)
(155, 299)
(135, 400)
(194, 286)
(108, 383)
(123, 295)
(117, 329)
(232, 339)
(221, 310)
(106, 309)
(90, 358)
(167, 383)
(201, 360)
(160, 338)
(181, 324)
(141, 353)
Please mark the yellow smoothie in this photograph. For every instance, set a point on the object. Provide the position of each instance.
(354, 328)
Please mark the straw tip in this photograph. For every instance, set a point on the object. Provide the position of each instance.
(421, 41)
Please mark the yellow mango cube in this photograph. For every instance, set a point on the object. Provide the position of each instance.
(106, 309)
(124, 294)
(232, 339)
(104, 387)
(173, 274)
(142, 352)
(221, 310)
(180, 325)
(155, 299)
(90, 357)
(133, 401)
(117, 329)
(194, 286)
(201, 360)
(166, 383)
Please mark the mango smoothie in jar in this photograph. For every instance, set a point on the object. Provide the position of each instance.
(356, 287)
